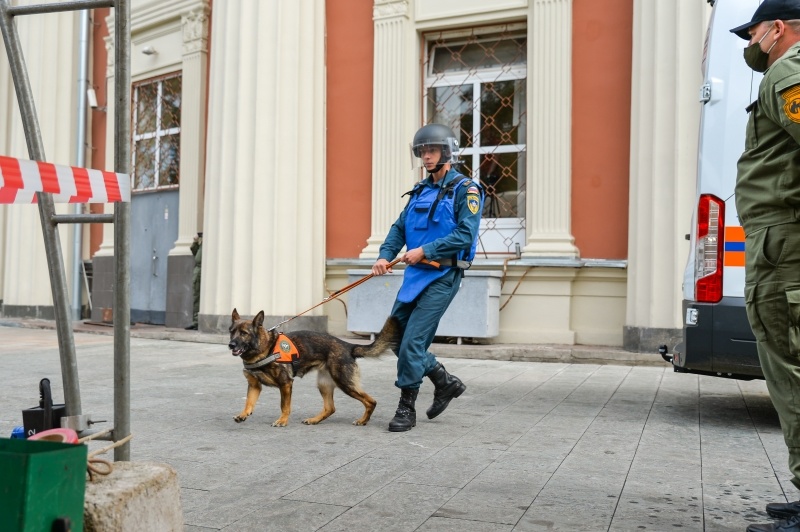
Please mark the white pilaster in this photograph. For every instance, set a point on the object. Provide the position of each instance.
(193, 127)
(264, 243)
(549, 130)
(667, 44)
(107, 245)
(48, 46)
(392, 120)
(9, 110)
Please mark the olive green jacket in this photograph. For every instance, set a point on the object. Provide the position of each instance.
(197, 251)
(768, 180)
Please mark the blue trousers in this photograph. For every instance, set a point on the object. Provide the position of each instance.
(419, 320)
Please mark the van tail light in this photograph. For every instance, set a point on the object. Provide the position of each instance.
(709, 249)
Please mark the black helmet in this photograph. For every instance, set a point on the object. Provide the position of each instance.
(436, 135)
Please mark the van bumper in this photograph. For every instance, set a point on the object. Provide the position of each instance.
(717, 340)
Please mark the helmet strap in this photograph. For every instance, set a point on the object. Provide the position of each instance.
(436, 168)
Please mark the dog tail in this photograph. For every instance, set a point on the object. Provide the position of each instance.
(388, 338)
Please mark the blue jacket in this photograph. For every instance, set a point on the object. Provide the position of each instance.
(448, 232)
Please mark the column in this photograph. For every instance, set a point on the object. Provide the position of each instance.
(180, 263)
(103, 274)
(667, 45)
(264, 241)
(392, 118)
(193, 127)
(47, 43)
(549, 125)
(7, 95)
(107, 246)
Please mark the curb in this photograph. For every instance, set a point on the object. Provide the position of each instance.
(568, 354)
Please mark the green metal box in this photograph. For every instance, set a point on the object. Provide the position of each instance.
(41, 481)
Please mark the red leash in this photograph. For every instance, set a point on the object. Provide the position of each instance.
(348, 288)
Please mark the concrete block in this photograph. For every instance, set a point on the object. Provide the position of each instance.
(180, 297)
(135, 496)
(474, 313)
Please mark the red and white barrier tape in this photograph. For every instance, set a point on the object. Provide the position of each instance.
(21, 179)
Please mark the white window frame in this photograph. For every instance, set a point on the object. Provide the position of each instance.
(158, 134)
(499, 236)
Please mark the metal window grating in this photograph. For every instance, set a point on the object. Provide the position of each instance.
(156, 133)
(476, 82)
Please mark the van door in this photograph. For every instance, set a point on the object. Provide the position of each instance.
(717, 338)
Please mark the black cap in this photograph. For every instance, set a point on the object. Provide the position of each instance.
(770, 10)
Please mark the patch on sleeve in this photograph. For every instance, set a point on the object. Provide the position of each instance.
(472, 190)
(792, 106)
(474, 203)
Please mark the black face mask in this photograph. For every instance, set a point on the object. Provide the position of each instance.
(755, 57)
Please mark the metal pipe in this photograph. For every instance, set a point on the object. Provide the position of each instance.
(88, 435)
(55, 259)
(80, 160)
(122, 233)
(58, 7)
(82, 219)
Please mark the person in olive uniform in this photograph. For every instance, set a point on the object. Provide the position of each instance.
(440, 223)
(197, 251)
(768, 204)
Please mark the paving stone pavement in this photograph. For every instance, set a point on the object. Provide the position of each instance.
(529, 446)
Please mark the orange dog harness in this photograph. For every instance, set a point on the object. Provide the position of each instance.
(285, 352)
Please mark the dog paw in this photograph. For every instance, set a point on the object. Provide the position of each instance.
(280, 423)
(360, 423)
(310, 421)
(239, 418)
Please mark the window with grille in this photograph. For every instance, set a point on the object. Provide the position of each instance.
(156, 133)
(475, 82)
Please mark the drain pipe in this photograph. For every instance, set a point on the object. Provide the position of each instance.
(80, 160)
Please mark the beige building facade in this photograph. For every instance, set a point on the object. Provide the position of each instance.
(589, 252)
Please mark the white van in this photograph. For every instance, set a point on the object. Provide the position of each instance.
(717, 339)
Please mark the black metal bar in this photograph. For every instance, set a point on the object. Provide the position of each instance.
(82, 219)
(58, 7)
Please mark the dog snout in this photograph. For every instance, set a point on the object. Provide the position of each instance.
(232, 345)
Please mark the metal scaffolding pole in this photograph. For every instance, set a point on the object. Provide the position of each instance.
(52, 243)
(122, 233)
(50, 221)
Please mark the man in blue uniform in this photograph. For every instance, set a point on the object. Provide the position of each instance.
(439, 224)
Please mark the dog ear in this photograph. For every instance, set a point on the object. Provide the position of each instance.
(258, 321)
(235, 316)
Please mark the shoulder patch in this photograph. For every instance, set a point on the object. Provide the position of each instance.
(472, 189)
(791, 107)
(473, 202)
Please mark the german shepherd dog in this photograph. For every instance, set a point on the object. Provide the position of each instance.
(334, 359)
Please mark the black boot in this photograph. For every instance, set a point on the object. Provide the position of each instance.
(448, 387)
(783, 510)
(789, 525)
(406, 416)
